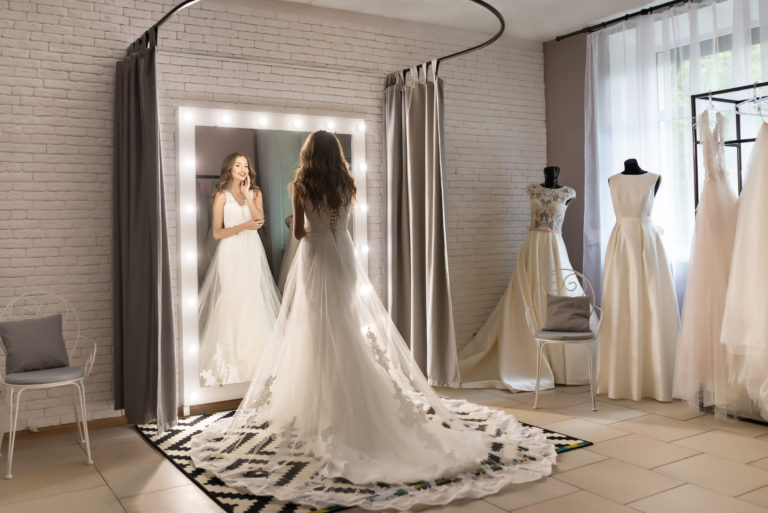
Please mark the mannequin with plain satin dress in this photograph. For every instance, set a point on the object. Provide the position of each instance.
(503, 352)
(638, 336)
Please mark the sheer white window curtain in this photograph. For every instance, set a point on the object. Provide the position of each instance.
(640, 75)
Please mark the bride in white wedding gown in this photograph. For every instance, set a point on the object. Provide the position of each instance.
(338, 412)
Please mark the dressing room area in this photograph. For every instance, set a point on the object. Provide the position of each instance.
(444, 256)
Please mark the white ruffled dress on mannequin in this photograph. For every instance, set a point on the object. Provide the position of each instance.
(338, 411)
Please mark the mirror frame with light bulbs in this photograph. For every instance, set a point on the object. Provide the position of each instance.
(190, 117)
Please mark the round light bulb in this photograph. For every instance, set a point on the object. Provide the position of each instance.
(364, 207)
(191, 301)
(263, 120)
(331, 126)
(188, 116)
(365, 248)
(190, 256)
(226, 119)
(361, 126)
(189, 163)
(297, 123)
(189, 209)
(363, 167)
(193, 396)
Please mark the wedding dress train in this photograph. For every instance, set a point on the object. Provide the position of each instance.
(339, 413)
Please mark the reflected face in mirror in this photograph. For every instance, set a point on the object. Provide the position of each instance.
(242, 270)
(240, 169)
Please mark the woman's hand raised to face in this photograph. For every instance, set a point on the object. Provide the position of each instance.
(245, 186)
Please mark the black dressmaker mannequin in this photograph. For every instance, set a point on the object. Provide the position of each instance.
(550, 179)
(631, 167)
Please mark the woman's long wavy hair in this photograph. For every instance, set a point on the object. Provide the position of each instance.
(226, 172)
(323, 177)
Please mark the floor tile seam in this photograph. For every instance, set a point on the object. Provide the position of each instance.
(578, 489)
(38, 497)
(750, 491)
(683, 483)
(109, 487)
(158, 491)
(678, 461)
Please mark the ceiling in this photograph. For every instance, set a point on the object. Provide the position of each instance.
(537, 20)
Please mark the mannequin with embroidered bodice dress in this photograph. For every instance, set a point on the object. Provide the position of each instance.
(503, 352)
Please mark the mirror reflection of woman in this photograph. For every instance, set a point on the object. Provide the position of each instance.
(338, 394)
(238, 301)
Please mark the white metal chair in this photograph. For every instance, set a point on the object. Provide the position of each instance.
(562, 282)
(35, 305)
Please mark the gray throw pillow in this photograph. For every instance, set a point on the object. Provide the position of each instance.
(33, 344)
(567, 313)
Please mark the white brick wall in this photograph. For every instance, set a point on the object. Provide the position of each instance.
(56, 137)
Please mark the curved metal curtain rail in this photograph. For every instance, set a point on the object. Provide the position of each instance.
(497, 35)
(482, 3)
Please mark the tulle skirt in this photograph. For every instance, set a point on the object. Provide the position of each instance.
(238, 306)
(337, 405)
(702, 368)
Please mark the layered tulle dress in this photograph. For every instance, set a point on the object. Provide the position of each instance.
(702, 368)
(745, 322)
(339, 413)
(237, 304)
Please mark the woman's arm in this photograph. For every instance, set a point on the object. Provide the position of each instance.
(217, 224)
(298, 216)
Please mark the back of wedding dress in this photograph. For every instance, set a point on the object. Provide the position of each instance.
(338, 396)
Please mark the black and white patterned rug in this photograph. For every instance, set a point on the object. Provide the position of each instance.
(174, 444)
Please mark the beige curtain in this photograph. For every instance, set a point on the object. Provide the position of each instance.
(418, 287)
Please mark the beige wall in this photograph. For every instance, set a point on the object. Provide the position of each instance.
(564, 68)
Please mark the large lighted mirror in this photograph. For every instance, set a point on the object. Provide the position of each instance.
(271, 142)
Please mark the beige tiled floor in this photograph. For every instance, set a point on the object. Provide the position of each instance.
(648, 457)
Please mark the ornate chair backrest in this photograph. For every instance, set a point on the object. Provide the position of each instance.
(34, 305)
(567, 282)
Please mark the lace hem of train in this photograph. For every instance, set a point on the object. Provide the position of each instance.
(267, 462)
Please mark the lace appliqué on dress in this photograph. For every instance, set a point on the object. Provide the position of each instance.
(548, 206)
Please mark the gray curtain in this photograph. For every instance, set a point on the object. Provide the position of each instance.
(144, 350)
(419, 294)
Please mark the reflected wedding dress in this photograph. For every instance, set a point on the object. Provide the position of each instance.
(701, 371)
(238, 303)
(745, 323)
(638, 337)
(503, 353)
(339, 413)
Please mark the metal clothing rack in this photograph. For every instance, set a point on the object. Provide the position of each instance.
(719, 96)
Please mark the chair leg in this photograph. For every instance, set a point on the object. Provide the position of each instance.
(588, 347)
(539, 351)
(15, 397)
(75, 404)
(84, 417)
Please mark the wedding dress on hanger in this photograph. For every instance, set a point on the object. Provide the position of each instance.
(745, 323)
(237, 303)
(638, 337)
(701, 373)
(339, 413)
(503, 352)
